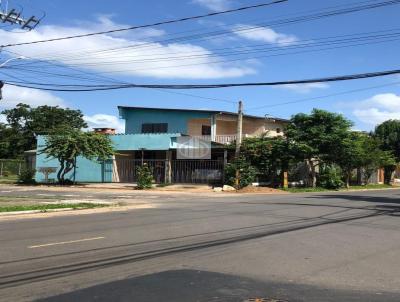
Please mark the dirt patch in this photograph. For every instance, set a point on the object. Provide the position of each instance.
(265, 190)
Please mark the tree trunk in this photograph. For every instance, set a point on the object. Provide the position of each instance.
(313, 175)
(68, 168)
(60, 172)
(348, 173)
(388, 174)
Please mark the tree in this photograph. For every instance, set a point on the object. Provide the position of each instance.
(67, 147)
(316, 136)
(388, 134)
(269, 154)
(350, 154)
(25, 123)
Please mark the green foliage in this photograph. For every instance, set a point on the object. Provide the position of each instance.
(25, 123)
(388, 134)
(67, 147)
(316, 137)
(331, 177)
(27, 177)
(247, 173)
(144, 177)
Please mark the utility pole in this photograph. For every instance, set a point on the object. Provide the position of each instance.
(238, 141)
(14, 17)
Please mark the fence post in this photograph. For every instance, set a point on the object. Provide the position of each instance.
(225, 162)
(168, 167)
(1, 169)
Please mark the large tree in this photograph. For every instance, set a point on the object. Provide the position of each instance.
(360, 150)
(66, 148)
(25, 123)
(269, 154)
(389, 135)
(318, 135)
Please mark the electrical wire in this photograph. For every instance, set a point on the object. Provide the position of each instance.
(81, 88)
(243, 8)
(354, 7)
(322, 96)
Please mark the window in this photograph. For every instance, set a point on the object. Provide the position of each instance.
(205, 130)
(155, 128)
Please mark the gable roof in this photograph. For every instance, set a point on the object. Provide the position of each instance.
(201, 110)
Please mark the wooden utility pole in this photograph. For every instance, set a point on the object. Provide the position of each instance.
(238, 141)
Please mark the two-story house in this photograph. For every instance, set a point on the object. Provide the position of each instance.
(151, 136)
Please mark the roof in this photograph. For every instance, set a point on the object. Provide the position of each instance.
(201, 110)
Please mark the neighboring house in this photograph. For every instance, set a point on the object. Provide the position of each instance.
(151, 136)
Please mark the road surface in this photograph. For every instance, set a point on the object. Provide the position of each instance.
(206, 247)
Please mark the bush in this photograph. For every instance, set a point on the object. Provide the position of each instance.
(247, 173)
(331, 178)
(144, 177)
(27, 176)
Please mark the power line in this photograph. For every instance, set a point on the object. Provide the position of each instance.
(243, 8)
(81, 88)
(353, 7)
(322, 96)
(325, 44)
(119, 82)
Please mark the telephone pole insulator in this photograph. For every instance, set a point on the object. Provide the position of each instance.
(14, 17)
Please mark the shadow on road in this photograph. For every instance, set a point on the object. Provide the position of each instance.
(355, 197)
(92, 263)
(201, 286)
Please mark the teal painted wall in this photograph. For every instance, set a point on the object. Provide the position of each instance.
(87, 170)
(95, 171)
(177, 120)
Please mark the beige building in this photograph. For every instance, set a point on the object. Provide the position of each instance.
(222, 127)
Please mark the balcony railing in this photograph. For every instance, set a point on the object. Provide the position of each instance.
(221, 139)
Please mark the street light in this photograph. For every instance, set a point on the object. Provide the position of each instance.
(2, 65)
(12, 59)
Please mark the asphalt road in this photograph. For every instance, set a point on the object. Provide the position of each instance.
(207, 247)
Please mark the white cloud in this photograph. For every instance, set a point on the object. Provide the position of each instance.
(305, 88)
(14, 95)
(105, 121)
(214, 5)
(3, 119)
(378, 108)
(139, 56)
(263, 34)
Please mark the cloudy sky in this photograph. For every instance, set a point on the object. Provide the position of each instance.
(204, 51)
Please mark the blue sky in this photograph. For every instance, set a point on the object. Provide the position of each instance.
(365, 108)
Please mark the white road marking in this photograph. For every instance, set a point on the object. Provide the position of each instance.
(64, 242)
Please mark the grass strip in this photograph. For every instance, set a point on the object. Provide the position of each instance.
(319, 189)
(46, 207)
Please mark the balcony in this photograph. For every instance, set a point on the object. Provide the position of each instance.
(221, 139)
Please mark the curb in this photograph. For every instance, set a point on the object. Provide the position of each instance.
(38, 211)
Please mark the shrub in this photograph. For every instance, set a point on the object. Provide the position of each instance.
(331, 178)
(144, 177)
(247, 173)
(27, 176)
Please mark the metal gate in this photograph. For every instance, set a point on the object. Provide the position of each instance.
(125, 170)
(197, 171)
(175, 171)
